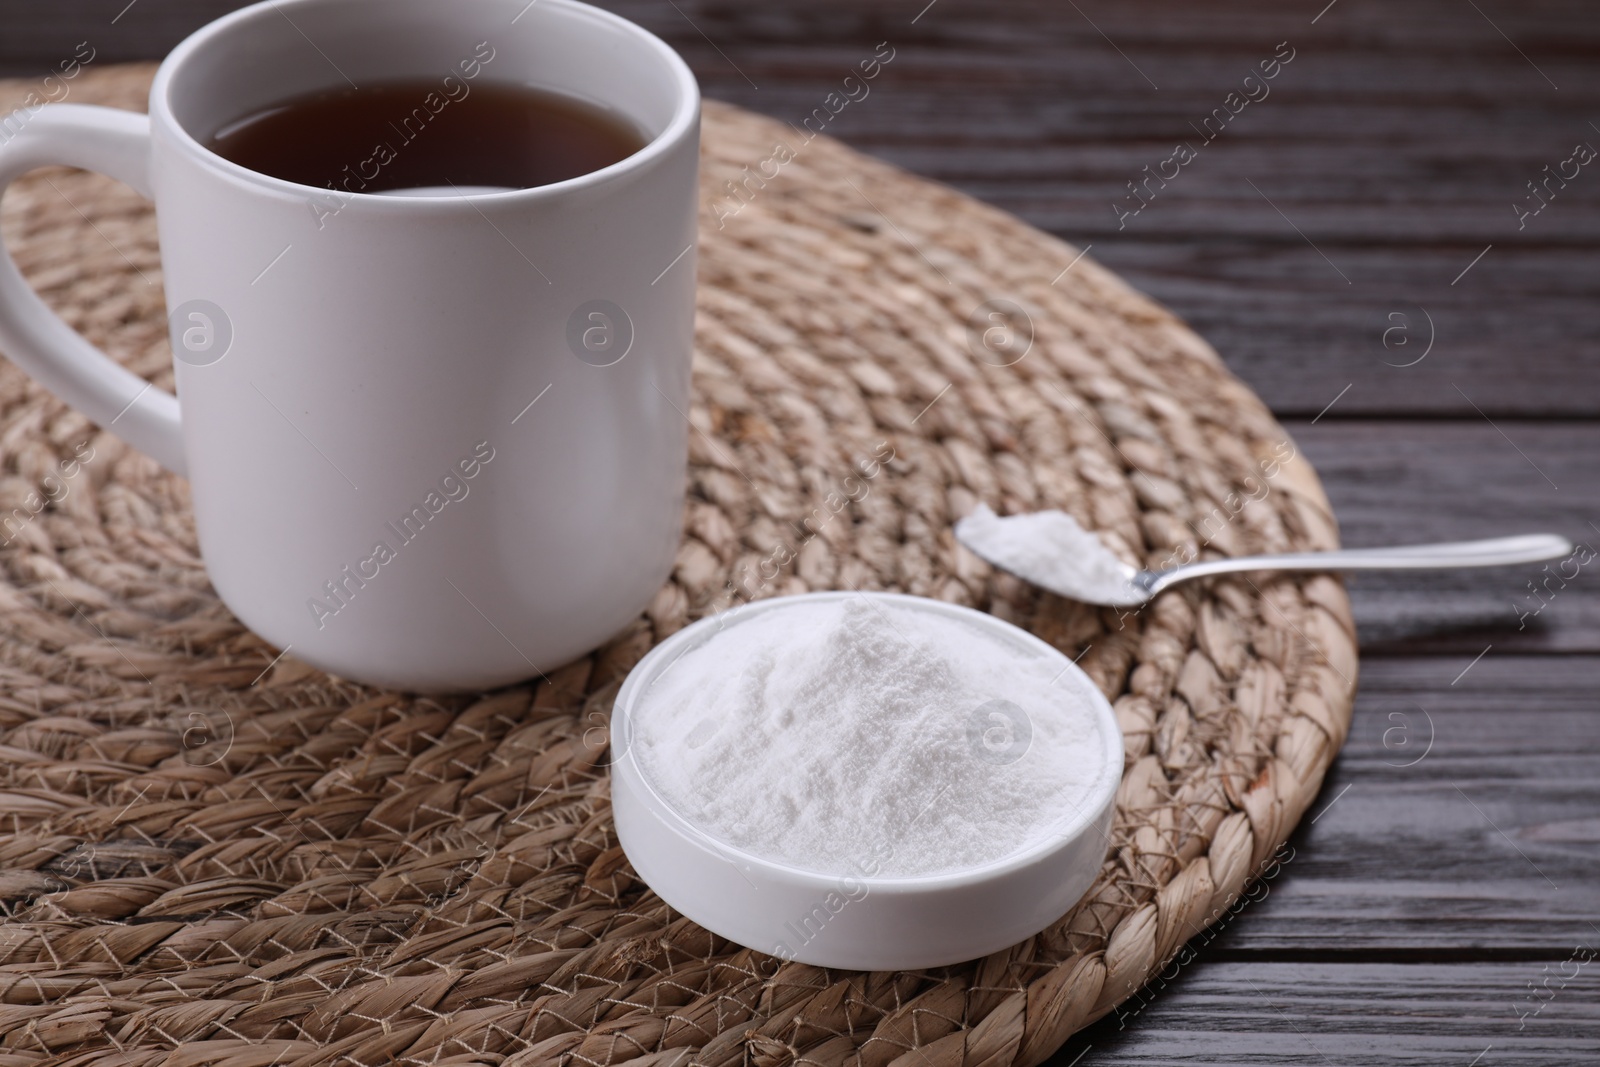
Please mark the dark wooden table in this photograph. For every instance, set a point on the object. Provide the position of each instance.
(1360, 245)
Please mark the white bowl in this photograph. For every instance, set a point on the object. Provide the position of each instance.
(870, 923)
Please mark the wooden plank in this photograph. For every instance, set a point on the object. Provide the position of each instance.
(1373, 1014)
(1459, 821)
(1512, 339)
(1394, 483)
(39, 34)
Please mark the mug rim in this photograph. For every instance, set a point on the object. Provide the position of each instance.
(685, 114)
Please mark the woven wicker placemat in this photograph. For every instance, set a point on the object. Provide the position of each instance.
(212, 855)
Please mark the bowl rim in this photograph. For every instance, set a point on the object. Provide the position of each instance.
(1061, 837)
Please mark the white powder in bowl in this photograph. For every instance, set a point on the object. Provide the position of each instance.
(864, 735)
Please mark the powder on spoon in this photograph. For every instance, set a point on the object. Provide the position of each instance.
(1050, 549)
(830, 733)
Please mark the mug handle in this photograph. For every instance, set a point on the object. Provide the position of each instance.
(117, 144)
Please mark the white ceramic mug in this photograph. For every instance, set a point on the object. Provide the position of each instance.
(437, 442)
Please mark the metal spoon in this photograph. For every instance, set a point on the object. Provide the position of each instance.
(1037, 551)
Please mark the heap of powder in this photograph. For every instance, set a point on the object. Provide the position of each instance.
(1052, 551)
(868, 737)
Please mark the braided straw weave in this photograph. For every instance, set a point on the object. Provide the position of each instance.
(209, 855)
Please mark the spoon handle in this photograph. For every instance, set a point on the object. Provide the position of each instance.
(1494, 552)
